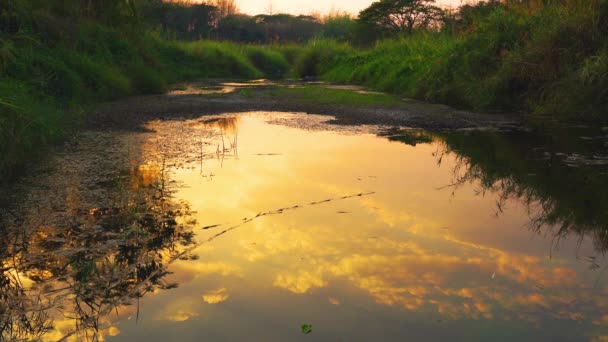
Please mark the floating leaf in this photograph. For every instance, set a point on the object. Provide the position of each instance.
(306, 328)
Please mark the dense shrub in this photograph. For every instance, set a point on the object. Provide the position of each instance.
(507, 56)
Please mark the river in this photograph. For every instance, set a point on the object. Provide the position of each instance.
(272, 226)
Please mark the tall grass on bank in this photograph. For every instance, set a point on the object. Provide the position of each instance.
(27, 124)
(549, 59)
(47, 78)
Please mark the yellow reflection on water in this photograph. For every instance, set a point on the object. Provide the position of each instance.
(89, 243)
(409, 245)
(349, 222)
(216, 296)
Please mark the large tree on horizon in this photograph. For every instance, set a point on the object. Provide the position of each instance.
(402, 16)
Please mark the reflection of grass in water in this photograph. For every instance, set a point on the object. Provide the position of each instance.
(94, 261)
(561, 199)
(408, 137)
(322, 95)
(97, 254)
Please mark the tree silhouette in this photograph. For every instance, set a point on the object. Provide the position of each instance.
(401, 16)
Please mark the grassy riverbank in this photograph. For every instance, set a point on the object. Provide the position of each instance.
(549, 60)
(47, 83)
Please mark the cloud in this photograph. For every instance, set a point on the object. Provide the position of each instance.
(216, 296)
(300, 283)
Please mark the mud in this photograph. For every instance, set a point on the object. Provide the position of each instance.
(210, 98)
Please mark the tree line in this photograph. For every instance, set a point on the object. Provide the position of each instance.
(383, 19)
(195, 21)
(221, 19)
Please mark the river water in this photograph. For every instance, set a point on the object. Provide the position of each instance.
(282, 227)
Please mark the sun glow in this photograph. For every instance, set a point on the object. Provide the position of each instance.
(253, 7)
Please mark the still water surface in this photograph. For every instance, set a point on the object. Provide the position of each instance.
(243, 228)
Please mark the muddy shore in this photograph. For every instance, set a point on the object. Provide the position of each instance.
(210, 98)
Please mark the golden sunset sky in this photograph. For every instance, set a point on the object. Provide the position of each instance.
(308, 6)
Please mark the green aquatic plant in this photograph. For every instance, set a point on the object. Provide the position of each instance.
(306, 328)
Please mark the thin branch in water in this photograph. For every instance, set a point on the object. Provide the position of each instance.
(280, 211)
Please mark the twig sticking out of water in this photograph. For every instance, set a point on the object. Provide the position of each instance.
(279, 211)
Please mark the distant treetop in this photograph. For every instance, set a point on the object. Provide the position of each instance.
(402, 16)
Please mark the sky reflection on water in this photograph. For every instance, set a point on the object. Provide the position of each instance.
(409, 261)
(311, 223)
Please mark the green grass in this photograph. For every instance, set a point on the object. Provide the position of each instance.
(515, 58)
(28, 124)
(271, 62)
(551, 61)
(45, 80)
(314, 59)
(318, 94)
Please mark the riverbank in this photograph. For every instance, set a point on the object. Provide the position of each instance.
(549, 61)
(348, 104)
(49, 82)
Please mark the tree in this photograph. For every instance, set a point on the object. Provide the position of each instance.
(468, 15)
(288, 28)
(225, 7)
(240, 28)
(402, 16)
(189, 21)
